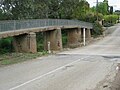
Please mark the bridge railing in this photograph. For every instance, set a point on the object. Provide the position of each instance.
(11, 25)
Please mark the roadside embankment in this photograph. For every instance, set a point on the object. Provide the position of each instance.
(115, 85)
(111, 81)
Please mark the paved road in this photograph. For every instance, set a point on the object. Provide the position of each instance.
(84, 68)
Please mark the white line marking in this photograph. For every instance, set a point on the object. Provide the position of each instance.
(46, 74)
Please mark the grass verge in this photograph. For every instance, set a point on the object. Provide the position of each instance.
(12, 58)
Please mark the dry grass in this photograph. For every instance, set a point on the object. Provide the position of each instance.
(12, 58)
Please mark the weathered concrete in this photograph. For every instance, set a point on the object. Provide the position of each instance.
(88, 34)
(55, 39)
(79, 35)
(25, 43)
(25, 31)
(74, 37)
(32, 40)
(24, 37)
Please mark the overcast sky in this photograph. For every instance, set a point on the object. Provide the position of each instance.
(114, 3)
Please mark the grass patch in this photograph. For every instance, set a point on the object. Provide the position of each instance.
(12, 58)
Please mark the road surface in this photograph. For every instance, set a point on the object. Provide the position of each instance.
(91, 67)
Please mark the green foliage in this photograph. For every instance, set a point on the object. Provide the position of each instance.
(110, 20)
(64, 41)
(12, 58)
(97, 29)
(6, 45)
(30, 9)
(40, 42)
(80, 10)
(68, 8)
(103, 7)
(100, 16)
(111, 9)
(64, 38)
(44, 52)
(91, 17)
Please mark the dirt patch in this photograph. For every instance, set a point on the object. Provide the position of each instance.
(12, 58)
(111, 81)
(115, 85)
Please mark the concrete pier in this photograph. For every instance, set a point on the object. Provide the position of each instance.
(55, 39)
(25, 43)
(74, 37)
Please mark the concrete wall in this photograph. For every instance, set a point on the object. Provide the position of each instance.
(55, 39)
(25, 43)
(74, 37)
(88, 34)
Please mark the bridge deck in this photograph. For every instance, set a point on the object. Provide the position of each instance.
(28, 30)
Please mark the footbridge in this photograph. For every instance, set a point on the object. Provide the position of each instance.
(24, 33)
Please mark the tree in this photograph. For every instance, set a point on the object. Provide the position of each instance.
(81, 9)
(17, 9)
(90, 17)
(54, 8)
(111, 9)
(103, 7)
(67, 8)
(5, 10)
(38, 9)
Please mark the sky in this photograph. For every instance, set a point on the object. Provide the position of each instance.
(114, 3)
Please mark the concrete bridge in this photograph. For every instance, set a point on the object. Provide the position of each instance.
(24, 33)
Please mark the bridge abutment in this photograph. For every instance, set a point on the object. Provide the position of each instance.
(25, 43)
(55, 39)
(74, 37)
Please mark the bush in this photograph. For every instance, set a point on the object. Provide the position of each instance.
(40, 41)
(97, 29)
(6, 45)
(91, 17)
(110, 20)
(40, 47)
(64, 40)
